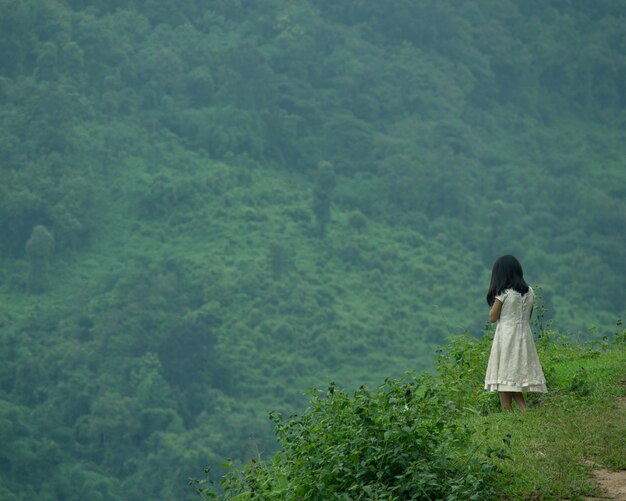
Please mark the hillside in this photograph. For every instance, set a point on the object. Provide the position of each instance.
(206, 210)
(442, 437)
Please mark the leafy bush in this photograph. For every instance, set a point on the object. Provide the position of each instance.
(403, 441)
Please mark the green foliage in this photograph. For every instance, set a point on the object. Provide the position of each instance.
(461, 365)
(325, 182)
(173, 150)
(403, 441)
(279, 258)
(410, 440)
(580, 383)
(39, 249)
(40, 245)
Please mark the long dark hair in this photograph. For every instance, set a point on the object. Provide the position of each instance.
(506, 274)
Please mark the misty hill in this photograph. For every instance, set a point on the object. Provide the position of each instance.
(207, 209)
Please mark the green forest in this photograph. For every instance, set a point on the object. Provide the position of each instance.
(208, 208)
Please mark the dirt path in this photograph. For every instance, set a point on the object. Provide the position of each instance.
(613, 482)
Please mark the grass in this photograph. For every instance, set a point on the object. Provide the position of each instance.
(555, 444)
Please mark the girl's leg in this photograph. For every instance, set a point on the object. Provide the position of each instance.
(506, 399)
(519, 398)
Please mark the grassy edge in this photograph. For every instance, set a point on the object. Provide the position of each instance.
(553, 445)
(548, 452)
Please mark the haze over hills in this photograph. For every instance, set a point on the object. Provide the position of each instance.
(240, 200)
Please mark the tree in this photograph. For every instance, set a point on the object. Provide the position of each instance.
(39, 249)
(325, 182)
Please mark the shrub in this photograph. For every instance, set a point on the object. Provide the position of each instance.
(403, 441)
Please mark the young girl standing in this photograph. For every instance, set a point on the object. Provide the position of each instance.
(513, 366)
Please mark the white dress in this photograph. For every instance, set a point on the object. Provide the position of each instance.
(513, 362)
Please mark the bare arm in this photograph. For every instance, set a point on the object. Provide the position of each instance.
(494, 313)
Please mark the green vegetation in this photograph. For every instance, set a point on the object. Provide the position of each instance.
(207, 208)
(39, 249)
(426, 437)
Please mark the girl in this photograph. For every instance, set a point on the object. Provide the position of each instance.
(513, 363)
